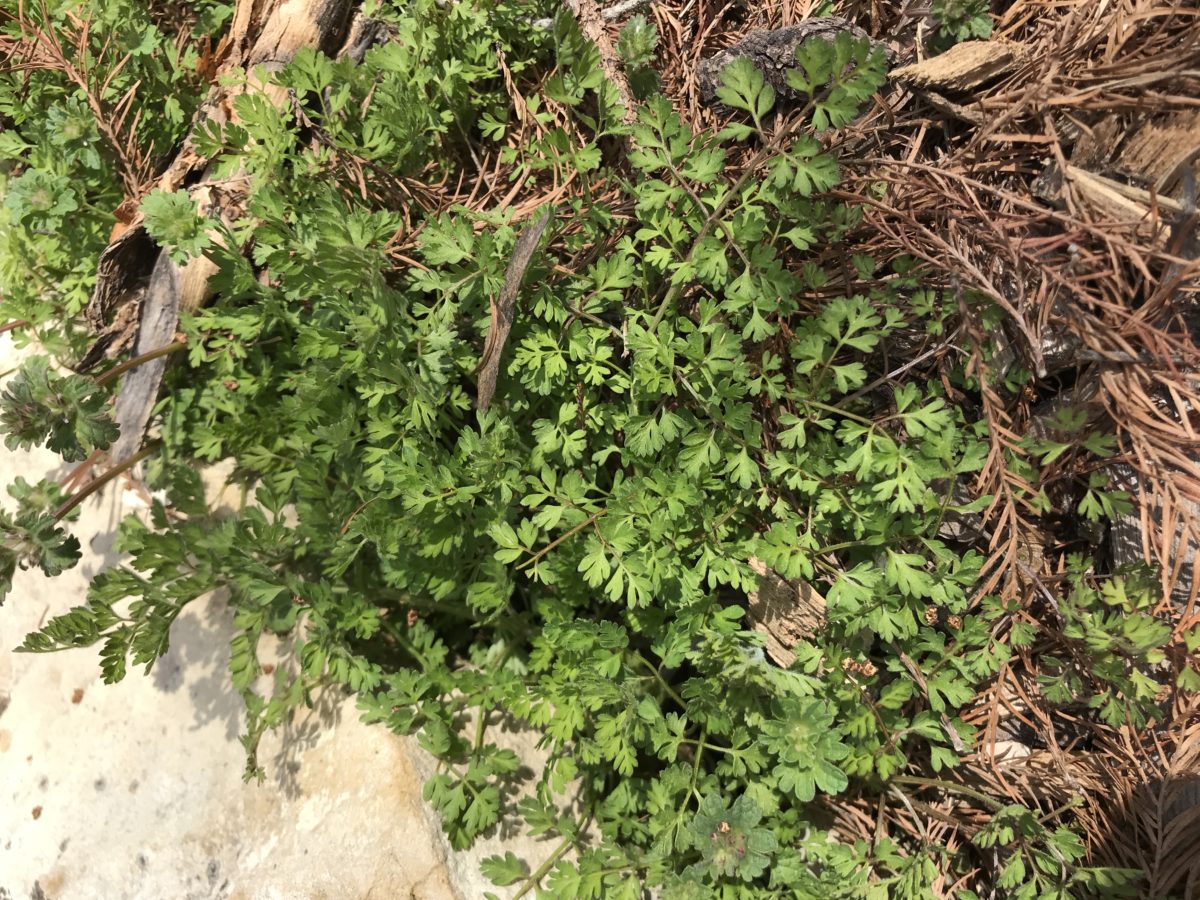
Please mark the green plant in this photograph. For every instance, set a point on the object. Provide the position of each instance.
(1114, 642)
(961, 20)
(31, 537)
(69, 156)
(1040, 862)
(74, 408)
(636, 46)
(688, 385)
(637, 43)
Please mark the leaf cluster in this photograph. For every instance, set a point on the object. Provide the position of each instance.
(64, 172)
(961, 20)
(67, 414)
(31, 537)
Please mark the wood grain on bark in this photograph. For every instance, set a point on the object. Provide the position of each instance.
(504, 308)
(265, 36)
(787, 612)
(591, 23)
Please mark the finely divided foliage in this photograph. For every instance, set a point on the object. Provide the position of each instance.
(688, 384)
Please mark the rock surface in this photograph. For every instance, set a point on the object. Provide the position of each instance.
(135, 791)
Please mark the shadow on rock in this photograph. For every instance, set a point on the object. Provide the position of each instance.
(198, 659)
(300, 734)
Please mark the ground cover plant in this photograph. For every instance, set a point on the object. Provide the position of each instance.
(531, 364)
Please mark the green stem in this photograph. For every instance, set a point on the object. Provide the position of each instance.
(591, 520)
(658, 677)
(704, 745)
(696, 768)
(532, 881)
(408, 647)
(837, 410)
(819, 381)
(990, 802)
(877, 543)
(461, 776)
(1055, 813)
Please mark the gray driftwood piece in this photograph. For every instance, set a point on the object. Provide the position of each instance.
(773, 52)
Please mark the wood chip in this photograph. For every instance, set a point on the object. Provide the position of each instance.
(1157, 152)
(1112, 200)
(591, 23)
(964, 66)
(787, 612)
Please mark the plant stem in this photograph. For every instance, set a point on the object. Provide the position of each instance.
(562, 537)
(835, 409)
(952, 787)
(11, 326)
(96, 483)
(700, 745)
(124, 367)
(532, 880)
(658, 677)
(1055, 813)
(704, 745)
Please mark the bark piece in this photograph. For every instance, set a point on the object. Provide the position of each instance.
(973, 115)
(365, 33)
(963, 67)
(121, 274)
(1092, 148)
(160, 315)
(773, 52)
(591, 23)
(1157, 153)
(787, 612)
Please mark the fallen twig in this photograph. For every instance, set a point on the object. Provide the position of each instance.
(502, 309)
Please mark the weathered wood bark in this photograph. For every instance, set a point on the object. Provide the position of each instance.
(135, 275)
(503, 308)
(592, 24)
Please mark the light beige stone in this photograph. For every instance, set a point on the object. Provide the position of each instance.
(134, 791)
